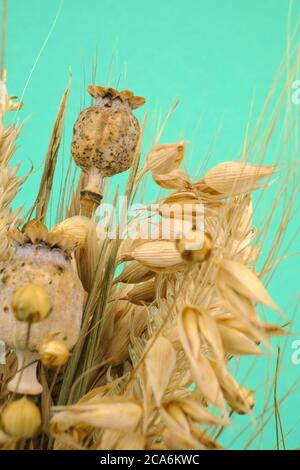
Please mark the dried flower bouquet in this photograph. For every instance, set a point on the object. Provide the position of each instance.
(127, 343)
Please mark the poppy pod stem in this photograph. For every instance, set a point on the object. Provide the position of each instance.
(25, 381)
(91, 195)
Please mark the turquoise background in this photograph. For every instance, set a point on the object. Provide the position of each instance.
(214, 55)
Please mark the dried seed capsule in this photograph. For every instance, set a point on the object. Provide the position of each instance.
(43, 259)
(21, 418)
(104, 140)
(53, 353)
(106, 134)
(31, 303)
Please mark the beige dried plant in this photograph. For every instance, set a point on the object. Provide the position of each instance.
(160, 327)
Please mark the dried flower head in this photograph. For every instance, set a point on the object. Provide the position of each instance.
(21, 418)
(39, 279)
(53, 352)
(31, 303)
(106, 134)
(104, 139)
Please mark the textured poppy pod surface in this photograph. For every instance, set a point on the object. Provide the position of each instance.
(106, 133)
(51, 270)
(41, 259)
(105, 136)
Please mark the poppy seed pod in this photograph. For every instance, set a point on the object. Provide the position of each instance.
(38, 283)
(104, 139)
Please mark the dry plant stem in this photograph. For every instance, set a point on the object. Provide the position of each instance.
(276, 406)
(4, 22)
(91, 195)
(73, 365)
(25, 381)
(73, 369)
(96, 324)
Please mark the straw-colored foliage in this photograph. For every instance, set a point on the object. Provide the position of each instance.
(152, 365)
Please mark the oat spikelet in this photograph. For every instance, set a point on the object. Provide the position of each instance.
(160, 363)
(9, 181)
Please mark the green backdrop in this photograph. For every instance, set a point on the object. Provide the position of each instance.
(215, 55)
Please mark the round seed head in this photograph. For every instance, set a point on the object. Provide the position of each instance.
(50, 270)
(31, 303)
(21, 418)
(106, 134)
(53, 353)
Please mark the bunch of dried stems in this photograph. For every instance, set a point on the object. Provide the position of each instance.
(161, 320)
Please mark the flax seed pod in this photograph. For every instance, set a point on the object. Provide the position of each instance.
(53, 352)
(104, 140)
(21, 418)
(31, 303)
